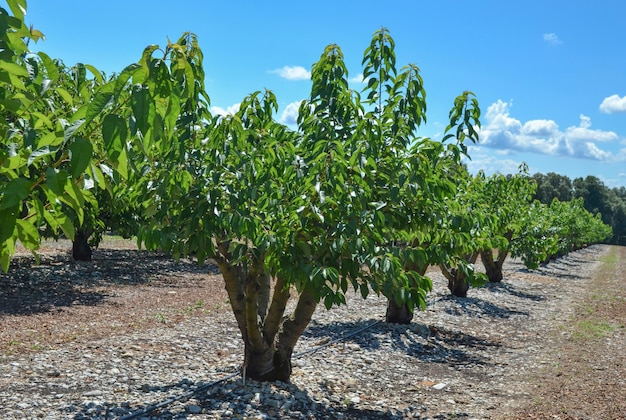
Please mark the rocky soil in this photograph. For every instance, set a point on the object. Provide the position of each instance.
(135, 335)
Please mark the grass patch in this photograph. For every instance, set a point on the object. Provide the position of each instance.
(610, 258)
(591, 329)
(160, 317)
(596, 314)
(192, 308)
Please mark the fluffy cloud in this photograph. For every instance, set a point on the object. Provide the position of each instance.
(613, 104)
(290, 115)
(552, 39)
(292, 73)
(507, 134)
(216, 110)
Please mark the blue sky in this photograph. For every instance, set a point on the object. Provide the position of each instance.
(550, 76)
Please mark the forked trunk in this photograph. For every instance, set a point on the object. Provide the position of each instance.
(81, 251)
(269, 337)
(493, 266)
(273, 362)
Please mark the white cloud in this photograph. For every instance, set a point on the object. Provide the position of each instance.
(292, 73)
(552, 39)
(357, 79)
(584, 133)
(481, 160)
(231, 110)
(613, 104)
(505, 133)
(290, 115)
(539, 128)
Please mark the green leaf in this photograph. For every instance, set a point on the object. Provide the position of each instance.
(97, 74)
(142, 108)
(56, 180)
(71, 129)
(39, 154)
(16, 191)
(73, 197)
(14, 69)
(27, 234)
(49, 139)
(81, 151)
(18, 7)
(114, 132)
(51, 69)
(65, 95)
(5, 260)
(97, 105)
(7, 227)
(66, 226)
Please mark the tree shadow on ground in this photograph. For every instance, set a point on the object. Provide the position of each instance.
(477, 307)
(551, 270)
(425, 343)
(511, 289)
(57, 281)
(229, 399)
(562, 267)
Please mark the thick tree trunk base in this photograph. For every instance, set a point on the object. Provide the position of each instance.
(458, 285)
(494, 275)
(398, 314)
(81, 251)
(268, 366)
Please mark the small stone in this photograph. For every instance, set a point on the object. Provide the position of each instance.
(94, 393)
(355, 400)
(439, 386)
(194, 409)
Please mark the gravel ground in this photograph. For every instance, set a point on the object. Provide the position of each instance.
(152, 347)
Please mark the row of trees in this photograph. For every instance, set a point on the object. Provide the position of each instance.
(597, 198)
(353, 199)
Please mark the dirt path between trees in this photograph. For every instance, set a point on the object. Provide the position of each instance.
(586, 374)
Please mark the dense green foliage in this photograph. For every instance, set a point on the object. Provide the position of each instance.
(610, 203)
(49, 126)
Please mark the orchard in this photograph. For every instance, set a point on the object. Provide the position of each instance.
(352, 199)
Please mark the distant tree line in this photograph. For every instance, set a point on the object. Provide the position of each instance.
(610, 203)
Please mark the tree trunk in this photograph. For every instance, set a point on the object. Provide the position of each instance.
(274, 363)
(81, 251)
(493, 267)
(402, 313)
(457, 283)
(398, 313)
(269, 337)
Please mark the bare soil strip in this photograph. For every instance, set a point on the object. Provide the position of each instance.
(587, 376)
